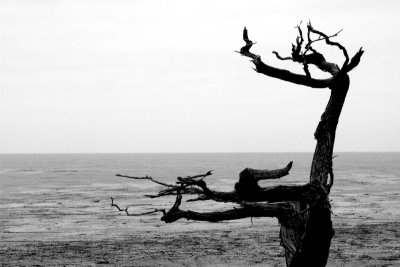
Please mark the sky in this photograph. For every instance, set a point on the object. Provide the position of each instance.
(163, 76)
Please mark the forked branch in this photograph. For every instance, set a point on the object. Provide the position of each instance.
(282, 74)
(135, 214)
(248, 182)
(246, 190)
(304, 55)
(328, 42)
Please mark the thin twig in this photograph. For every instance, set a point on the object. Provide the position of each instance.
(146, 178)
(281, 58)
(329, 42)
(135, 214)
(115, 205)
(321, 38)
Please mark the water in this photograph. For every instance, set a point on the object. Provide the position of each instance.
(36, 170)
(40, 192)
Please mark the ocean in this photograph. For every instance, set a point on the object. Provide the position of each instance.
(78, 178)
(55, 208)
(40, 171)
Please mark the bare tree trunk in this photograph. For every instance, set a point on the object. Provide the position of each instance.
(307, 238)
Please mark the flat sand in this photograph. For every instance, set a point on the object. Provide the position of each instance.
(70, 224)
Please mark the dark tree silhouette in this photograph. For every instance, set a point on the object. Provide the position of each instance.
(304, 211)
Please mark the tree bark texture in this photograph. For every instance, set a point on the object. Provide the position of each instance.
(312, 232)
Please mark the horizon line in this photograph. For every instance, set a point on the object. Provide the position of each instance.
(178, 152)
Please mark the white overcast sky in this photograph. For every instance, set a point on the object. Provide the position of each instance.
(162, 76)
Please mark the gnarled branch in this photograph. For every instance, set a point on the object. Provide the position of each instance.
(258, 175)
(305, 57)
(329, 42)
(248, 186)
(279, 210)
(247, 189)
(282, 74)
(355, 60)
(315, 58)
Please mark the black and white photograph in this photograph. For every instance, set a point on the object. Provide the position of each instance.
(199, 133)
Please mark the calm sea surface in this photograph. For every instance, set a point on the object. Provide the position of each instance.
(36, 170)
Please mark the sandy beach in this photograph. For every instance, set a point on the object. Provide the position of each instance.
(72, 223)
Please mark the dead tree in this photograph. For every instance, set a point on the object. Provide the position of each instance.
(304, 211)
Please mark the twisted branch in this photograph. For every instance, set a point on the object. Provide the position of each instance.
(316, 58)
(135, 214)
(279, 210)
(282, 74)
(329, 42)
(246, 190)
